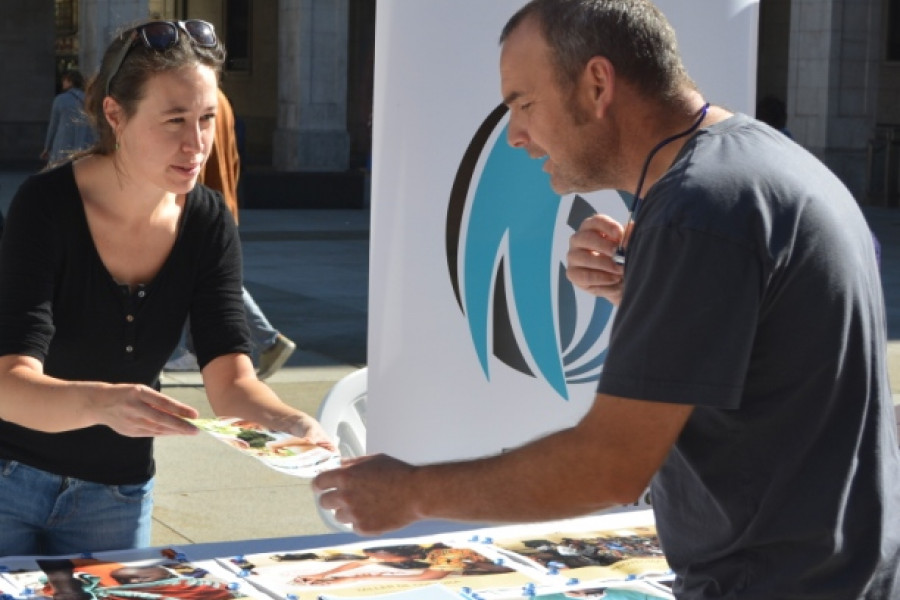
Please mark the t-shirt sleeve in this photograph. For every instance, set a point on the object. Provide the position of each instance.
(218, 317)
(30, 259)
(684, 329)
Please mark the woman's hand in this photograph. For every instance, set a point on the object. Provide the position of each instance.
(136, 410)
(32, 399)
(291, 442)
(309, 431)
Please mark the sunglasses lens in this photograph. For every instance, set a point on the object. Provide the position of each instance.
(159, 35)
(201, 32)
(162, 35)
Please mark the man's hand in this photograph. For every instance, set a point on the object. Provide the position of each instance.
(590, 258)
(619, 444)
(374, 494)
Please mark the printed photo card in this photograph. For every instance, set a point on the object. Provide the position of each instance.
(613, 556)
(281, 451)
(588, 558)
(160, 574)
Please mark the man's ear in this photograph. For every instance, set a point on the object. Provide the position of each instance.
(599, 79)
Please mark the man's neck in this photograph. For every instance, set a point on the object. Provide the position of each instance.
(676, 121)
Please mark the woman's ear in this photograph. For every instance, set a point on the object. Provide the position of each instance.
(599, 79)
(113, 113)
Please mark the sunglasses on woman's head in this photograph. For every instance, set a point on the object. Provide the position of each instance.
(162, 35)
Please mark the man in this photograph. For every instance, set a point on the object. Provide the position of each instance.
(746, 368)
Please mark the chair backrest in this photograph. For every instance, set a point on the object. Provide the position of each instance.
(342, 415)
(897, 415)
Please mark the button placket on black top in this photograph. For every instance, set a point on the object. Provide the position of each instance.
(132, 304)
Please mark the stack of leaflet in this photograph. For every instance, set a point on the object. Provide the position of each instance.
(614, 556)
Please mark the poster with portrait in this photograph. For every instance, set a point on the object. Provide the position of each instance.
(161, 574)
(381, 567)
(614, 554)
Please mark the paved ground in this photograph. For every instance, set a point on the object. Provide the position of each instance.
(308, 270)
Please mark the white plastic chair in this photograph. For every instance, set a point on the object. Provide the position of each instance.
(897, 415)
(342, 415)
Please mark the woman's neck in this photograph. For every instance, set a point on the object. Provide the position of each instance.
(107, 185)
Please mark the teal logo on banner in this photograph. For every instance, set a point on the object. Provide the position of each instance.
(500, 233)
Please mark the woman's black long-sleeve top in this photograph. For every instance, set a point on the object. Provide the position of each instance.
(59, 304)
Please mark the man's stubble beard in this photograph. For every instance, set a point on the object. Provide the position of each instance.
(598, 163)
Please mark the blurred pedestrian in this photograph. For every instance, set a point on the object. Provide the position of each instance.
(221, 172)
(70, 129)
(772, 111)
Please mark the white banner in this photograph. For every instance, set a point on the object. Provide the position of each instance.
(477, 343)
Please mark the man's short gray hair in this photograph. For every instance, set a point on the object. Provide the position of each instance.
(633, 35)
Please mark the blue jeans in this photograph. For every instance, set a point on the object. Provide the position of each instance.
(46, 514)
(262, 334)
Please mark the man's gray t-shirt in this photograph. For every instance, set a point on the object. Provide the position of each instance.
(752, 292)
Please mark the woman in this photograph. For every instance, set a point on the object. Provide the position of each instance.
(102, 260)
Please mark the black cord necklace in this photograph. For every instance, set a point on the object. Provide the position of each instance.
(619, 256)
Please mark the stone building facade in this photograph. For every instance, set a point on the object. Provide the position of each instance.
(300, 77)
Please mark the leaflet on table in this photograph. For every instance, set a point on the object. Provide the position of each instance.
(21, 576)
(279, 450)
(510, 562)
(628, 591)
(616, 555)
(380, 567)
(7, 590)
(147, 574)
(624, 590)
(429, 592)
(583, 555)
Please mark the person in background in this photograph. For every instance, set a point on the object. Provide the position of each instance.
(772, 111)
(69, 130)
(102, 259)
(746, 372)
(221, 172)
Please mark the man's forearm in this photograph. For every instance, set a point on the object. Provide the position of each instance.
(551, 478)
(607, 459)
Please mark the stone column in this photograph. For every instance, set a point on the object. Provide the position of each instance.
(28, 74)
(311, 129)
(833, 82)
(98, 22)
